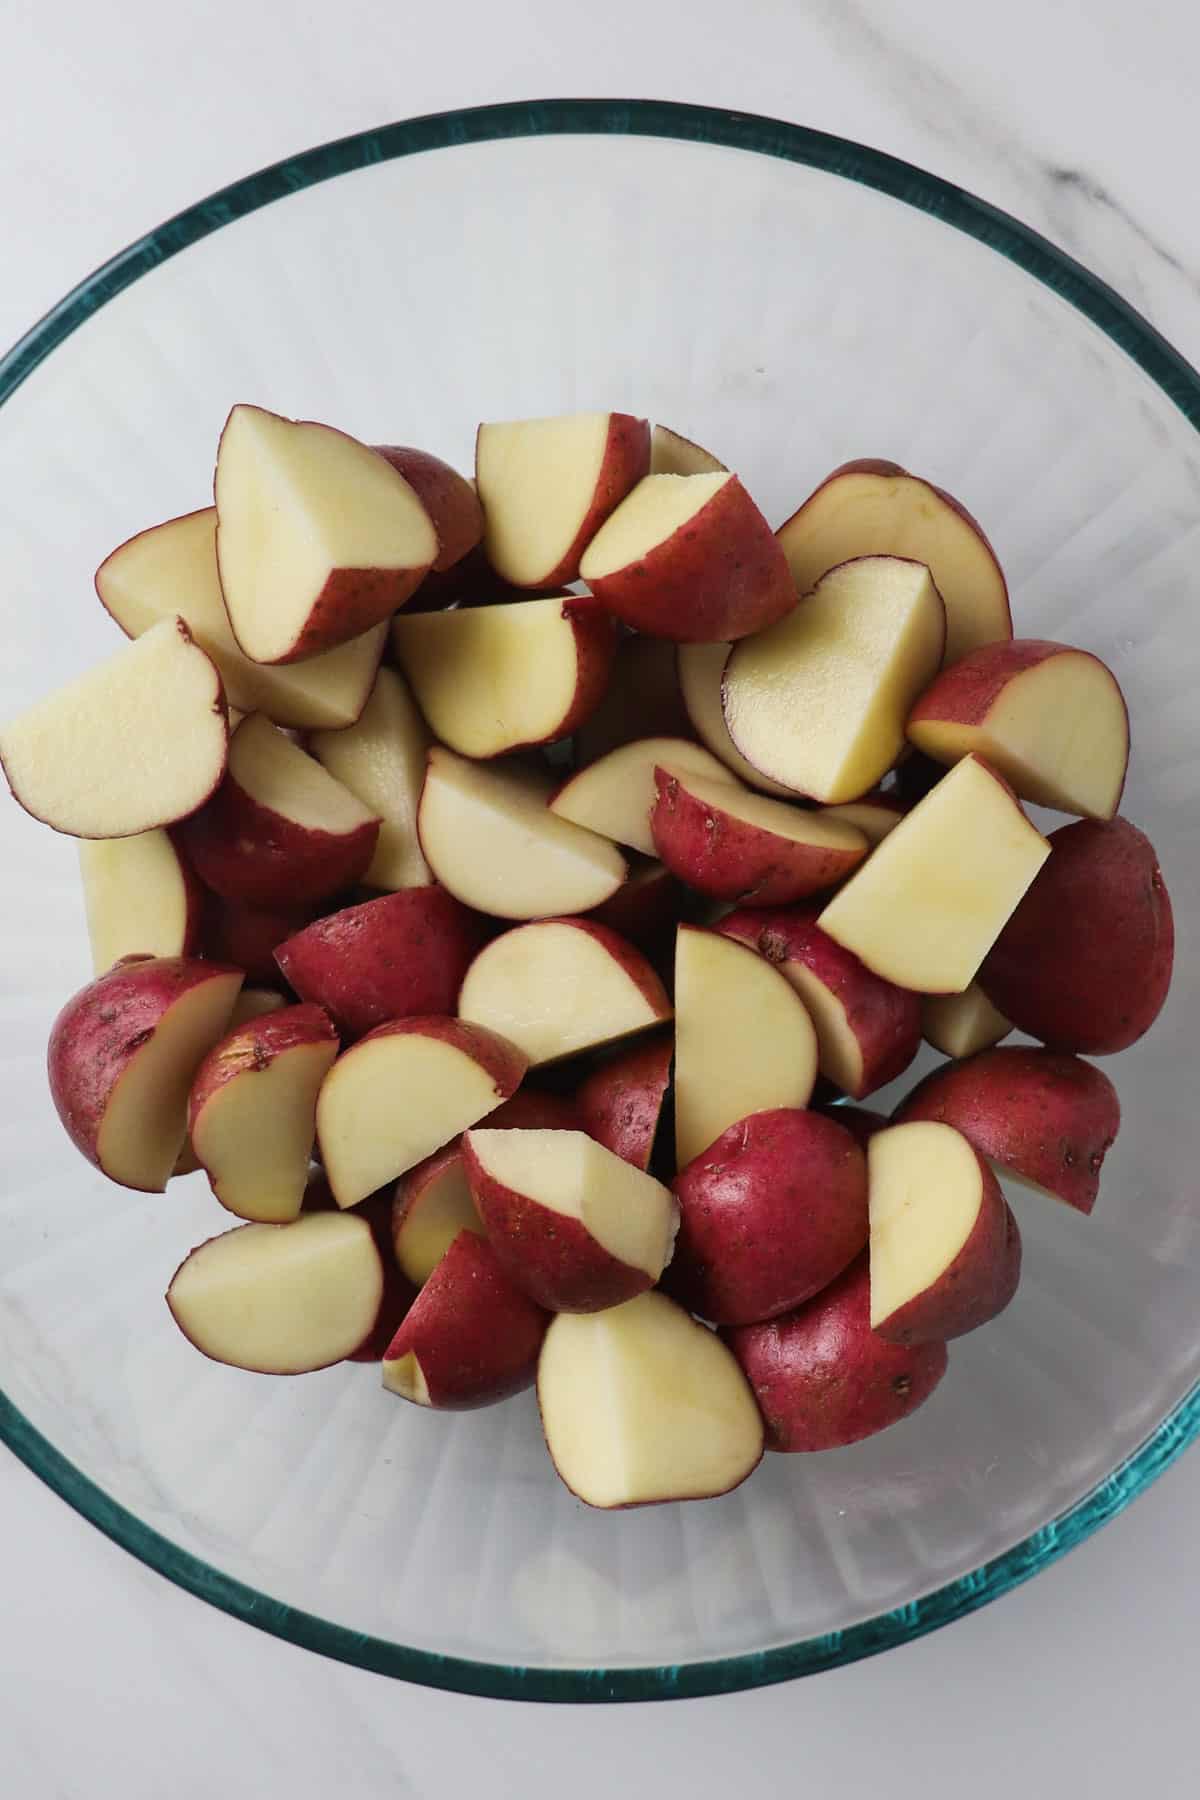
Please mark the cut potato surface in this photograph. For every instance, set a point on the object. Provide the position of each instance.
(1051, 719)
(615, 795)
(628, 1213)
(873, 815)
(878, 509)
(318, 537)
(252, 1115)
(743, 1040)
(172, 569)
(819, 702)
(281, 1299)
(139, 895)
(381, 760)
(656, 509)
(489, 838)
(490, 679)
(562, 985)
(276, 773)
(701, 670)
(548, 484)
(672, 454)
(641, 1404)
(402, 1092)
(426, 1222)
(961, 1024)
(137, 742)
(926, 907)
(926, 1193)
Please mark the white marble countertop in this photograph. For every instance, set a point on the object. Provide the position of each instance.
(1077, 115)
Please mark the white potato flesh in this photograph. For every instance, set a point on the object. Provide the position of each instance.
(615, 795)
(553, 988)
(136, 897)
(658, 507)
(381, 760)
(537, 480)
(926, 1189)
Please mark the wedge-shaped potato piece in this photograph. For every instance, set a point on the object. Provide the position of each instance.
(381, 760)
(820, 702)
(615, 795)
(931, 900)
(140, 897)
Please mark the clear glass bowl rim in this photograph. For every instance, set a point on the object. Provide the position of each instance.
(1164, 366)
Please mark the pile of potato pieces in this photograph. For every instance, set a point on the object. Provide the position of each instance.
(341, 908)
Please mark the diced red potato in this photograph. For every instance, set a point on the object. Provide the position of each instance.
(381, 760)
(734, 845)
(248, 936)
(868, 1029)
(621, 1102)
(769, 1214)
(673, 454)
(689, 558)
(646, 908)
(700, 671)
(140, 895)
(1085, 961)
(279, 832)
(875, 815)
(1045, 1118)
(822, 1378)
(471, 1336)
(962, 1024)
(391, 958)
(643, 700)
(615, 796)
(448, 497)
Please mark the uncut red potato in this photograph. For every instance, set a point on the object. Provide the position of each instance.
(432, 1202)
(72, 762)
(122, 1055)
(868, 1029)
(389, 958)
(279, 832)
(689, 558)
(620, 1103)
(769, 1214)
(319, 538)
(1051, 719)
(448, 497)
(1045, 1118)
(576, 1226)
(875, 508)
(252, 1111)
(1085, 961)
(734, 845)
(172, 568)
(547, 486)
(640, 1404)
(822, 1378)
(471, 1336)
(140, 896)
(945, 1247)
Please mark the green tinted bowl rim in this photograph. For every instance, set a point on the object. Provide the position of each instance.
(1164, 366)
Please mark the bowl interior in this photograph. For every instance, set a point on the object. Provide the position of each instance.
(789, 318)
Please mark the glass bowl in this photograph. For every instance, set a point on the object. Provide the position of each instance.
(792, 300)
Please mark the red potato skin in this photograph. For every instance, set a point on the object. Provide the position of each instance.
(621, 1101)
(351, 601)
(555, 1260)
(448, 498)
(596, 639)
(823, 1378)
(1085, 961)
(975, 1287)
(878, 465)
(475, 1333)
(719, 577)
(248, 936)
(646, 908)
(253, 1047)
(626, 459)
(244, 851)
(885, 1019)
(643, 700)
(529, 1109)
(1044, 1115)
(722, 856)
(100, 1030)
(405, 953)
(769, 1214)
